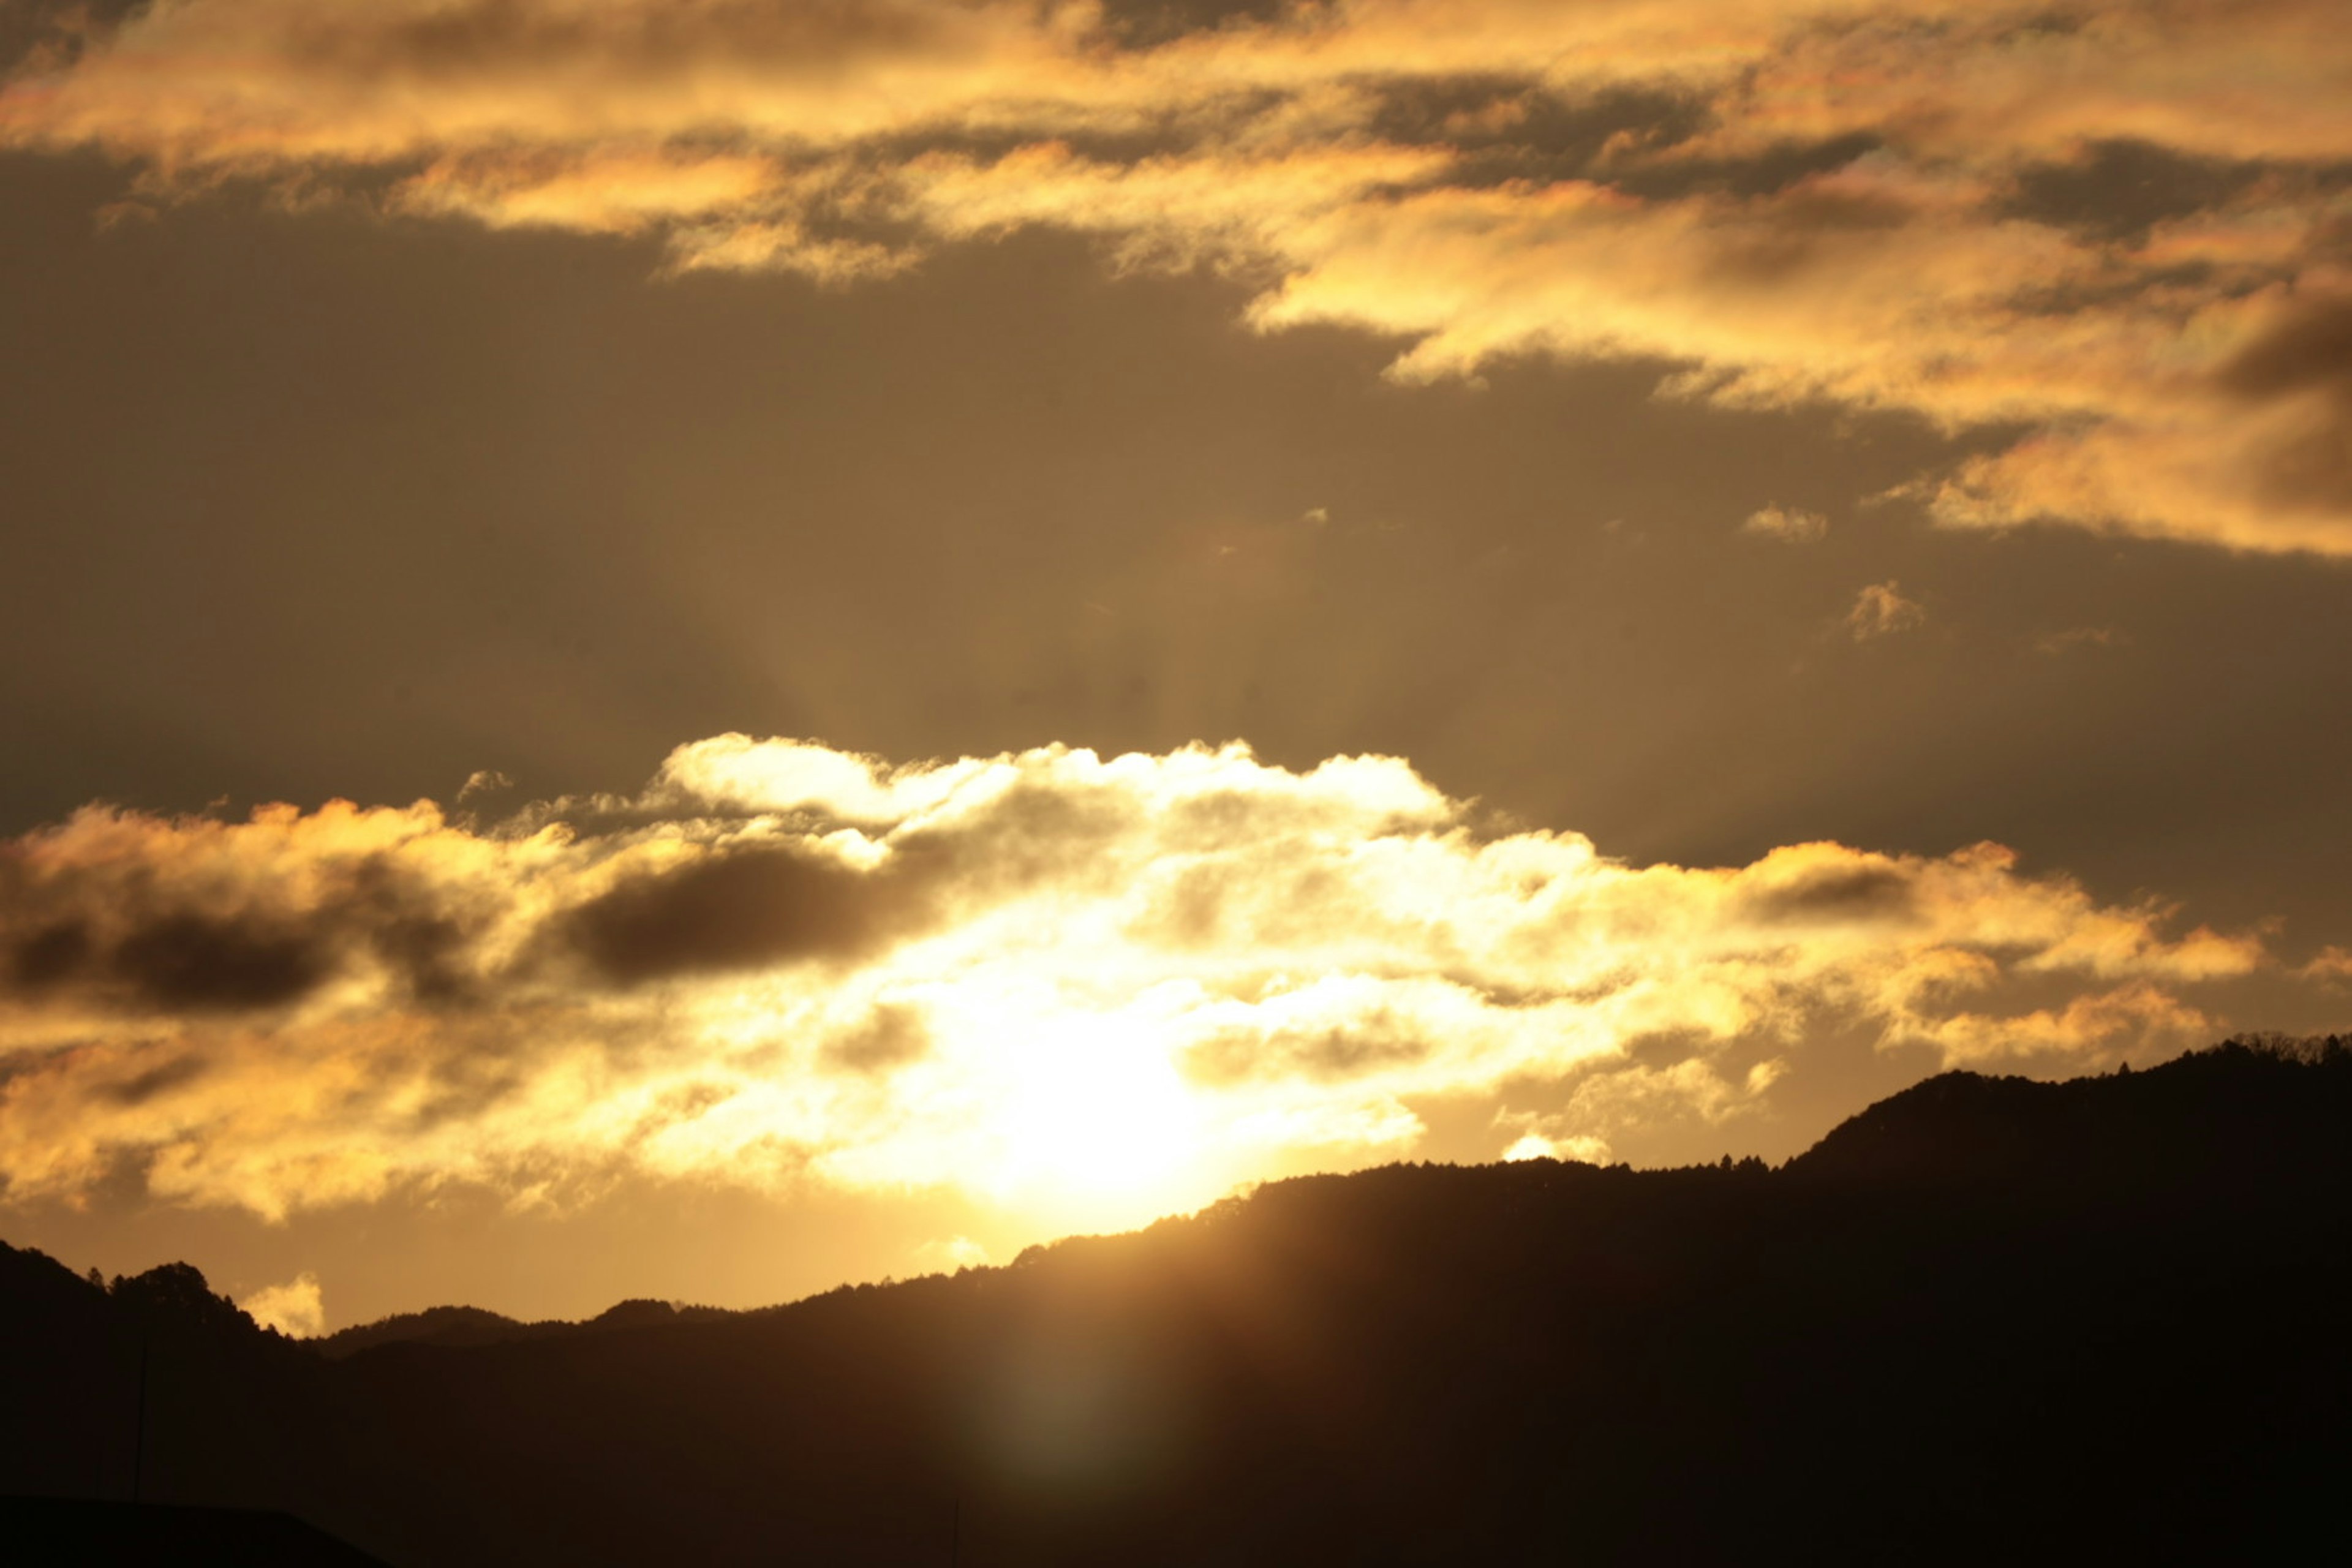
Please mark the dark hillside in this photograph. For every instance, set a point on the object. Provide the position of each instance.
(1986, 1319)
(433, 1326)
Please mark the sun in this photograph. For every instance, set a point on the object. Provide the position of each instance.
(1110, 1114)
(1091, 1122)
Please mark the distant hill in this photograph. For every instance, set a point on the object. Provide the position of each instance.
(1986, 1320)
(433, 1326)
(463, 1326)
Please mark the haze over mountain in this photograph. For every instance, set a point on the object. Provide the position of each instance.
(2100, 1319)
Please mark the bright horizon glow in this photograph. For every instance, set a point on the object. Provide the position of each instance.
(1079, 990)
(1105, 1120)
(1063, 1110)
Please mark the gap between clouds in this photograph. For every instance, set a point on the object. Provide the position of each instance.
(1152, 975)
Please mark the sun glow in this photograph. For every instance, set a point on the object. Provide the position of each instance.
(1108, 1116)
(1059, 1102)
(1082, 1113)
(1079, 993)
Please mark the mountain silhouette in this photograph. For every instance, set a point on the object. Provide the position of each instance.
(1985, 1318)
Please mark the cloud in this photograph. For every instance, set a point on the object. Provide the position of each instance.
(1143, 976)
(957, 1252)
(1534, 1144)
(1881, 610)
(2071, 219)
(41, 35)
(2075, 637)
(2330, 966)
(294, 1309)
(2086, 1024)
(482, 781)
(747, 908)
(1788, 524)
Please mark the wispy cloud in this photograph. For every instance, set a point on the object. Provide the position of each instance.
(1881, 610)
(1148, 975)
(1791, 525)
(2118, 225)
(2073, 638)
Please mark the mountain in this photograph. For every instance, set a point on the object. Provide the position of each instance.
(1987, 1318)
(433, 1326)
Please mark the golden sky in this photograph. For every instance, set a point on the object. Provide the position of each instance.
(1241, 489)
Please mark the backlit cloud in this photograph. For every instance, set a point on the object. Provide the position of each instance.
(1142, 977)
(1791, 525)
(1881, 610)
(2123, 227)
(297, 1309)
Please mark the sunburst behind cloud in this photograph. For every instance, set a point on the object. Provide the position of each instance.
(1048, 980)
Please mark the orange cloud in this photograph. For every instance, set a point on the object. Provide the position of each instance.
(296, 1309)
(2109, 221)
(1788, 525)
(1024, 976)
(1881, 610)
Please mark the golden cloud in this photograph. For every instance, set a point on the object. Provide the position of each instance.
(1791, 525)
(1144, 976)
(296, 1309)
(2121, 224)
(1881, 610)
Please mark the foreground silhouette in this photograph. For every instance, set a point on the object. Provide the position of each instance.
(1985, 1318)
(73, 1533)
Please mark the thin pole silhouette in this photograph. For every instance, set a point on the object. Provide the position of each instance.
(139, 1450)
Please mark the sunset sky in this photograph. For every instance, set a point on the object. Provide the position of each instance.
(701, 648)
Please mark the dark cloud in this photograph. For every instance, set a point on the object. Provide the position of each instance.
(420, 934)
(2120, 288)
(1147, 23)
(126, 941)
(1510, 127)
(1796, 232)
(2310, 349)
(47, 955)
(742, 910)
(1515, 128)
(1026, 835)
(892, 1036)
(205, 964)
(1764, 172)
(173, 960)
(2311, 469)
(1361, 1048)
(145, 1085)
(1840, 892)
(2118, 190)
(802, 36)
(50, 35)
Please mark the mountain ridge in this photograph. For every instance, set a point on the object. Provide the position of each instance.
(1980, 1306)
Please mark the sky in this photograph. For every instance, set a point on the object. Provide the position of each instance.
(699, 649)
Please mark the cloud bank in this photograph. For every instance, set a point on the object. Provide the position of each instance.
(1143, 976)
(2118, 230)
